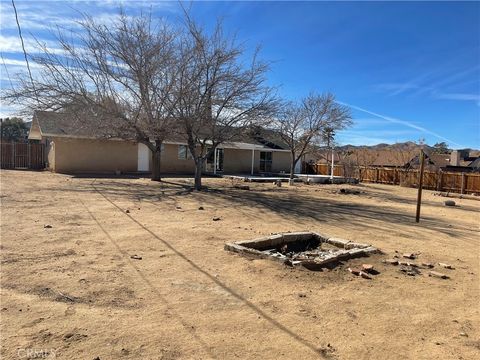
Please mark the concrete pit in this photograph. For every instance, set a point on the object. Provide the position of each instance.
(308, 249)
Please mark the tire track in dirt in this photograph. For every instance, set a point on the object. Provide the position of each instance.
(290, 333)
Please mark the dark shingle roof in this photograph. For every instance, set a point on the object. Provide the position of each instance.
(64, 124)
(68, 125)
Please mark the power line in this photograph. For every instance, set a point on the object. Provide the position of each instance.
(24, 51)
(6, 71)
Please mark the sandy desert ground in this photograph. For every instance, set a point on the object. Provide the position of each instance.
(73, 290)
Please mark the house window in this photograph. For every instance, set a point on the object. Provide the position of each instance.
(183, 152)
(265, 161)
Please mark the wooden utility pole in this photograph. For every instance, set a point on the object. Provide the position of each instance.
(420, 185)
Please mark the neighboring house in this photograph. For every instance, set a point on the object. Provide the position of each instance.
(76, 148)
(368, 157)
(465, 160)
(433, 161)
(405, 158)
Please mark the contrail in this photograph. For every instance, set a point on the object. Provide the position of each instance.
(402, 122)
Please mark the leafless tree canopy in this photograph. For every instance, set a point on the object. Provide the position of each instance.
(217, 96)
(114, 78)
(142, 80)
(302, 125)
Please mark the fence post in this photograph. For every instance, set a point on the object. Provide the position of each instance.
(440, 180)
(420, 185)
(377, 172)
(13, 155)
(462, 186)
(29, 149)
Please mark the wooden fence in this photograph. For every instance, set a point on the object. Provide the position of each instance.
(461, 182)
(323, 169)
(16, 155)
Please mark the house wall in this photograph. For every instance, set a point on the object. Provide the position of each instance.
(240, 161)
(170, 163)
(67, 155)
(281, 162)
(34, 132)
(50, 150)
(84, 155)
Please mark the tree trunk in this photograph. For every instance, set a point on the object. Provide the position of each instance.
(156, 158)
(292, 166)
(198, 174)
(292, 169)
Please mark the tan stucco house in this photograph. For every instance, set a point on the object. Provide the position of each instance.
(76, 149)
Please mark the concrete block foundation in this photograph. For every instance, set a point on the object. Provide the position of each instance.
(308, 249)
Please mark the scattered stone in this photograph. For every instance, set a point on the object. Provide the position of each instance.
(410, 271)
(428, 265)
(446, 266)
(201, 208)
(438, 275)
(178, 207)
(354, 271)
(409, 256)
(136, 257)
(302, 295)
(407, 263)
(349, 191)
(391, 261)
(367, 267)
(463, 334)
(449, 203)
(216, 218)
(47, 226)
(127, 211)
(96, 358)
(241, 187)
(278, 183)
(364, 275)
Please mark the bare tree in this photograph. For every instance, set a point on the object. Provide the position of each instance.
(301, 125)
(113, 78)
(347, 161)
(217, 96)
(364, 158)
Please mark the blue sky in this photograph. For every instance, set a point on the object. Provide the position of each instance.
(409, 70)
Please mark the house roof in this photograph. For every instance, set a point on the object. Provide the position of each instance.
(475, 163)
(57, 124)
(439, 160)
(393, 157)
(50, 123)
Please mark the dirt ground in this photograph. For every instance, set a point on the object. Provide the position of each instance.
(72, 290)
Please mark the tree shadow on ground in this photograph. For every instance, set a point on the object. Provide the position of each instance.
(288, 204)
(300, 206)
(389, 195)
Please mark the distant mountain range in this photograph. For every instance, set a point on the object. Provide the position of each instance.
(404, 146)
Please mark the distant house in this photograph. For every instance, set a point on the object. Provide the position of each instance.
(78, 148)
(385, 158)
(465, 160)
(433, 161)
